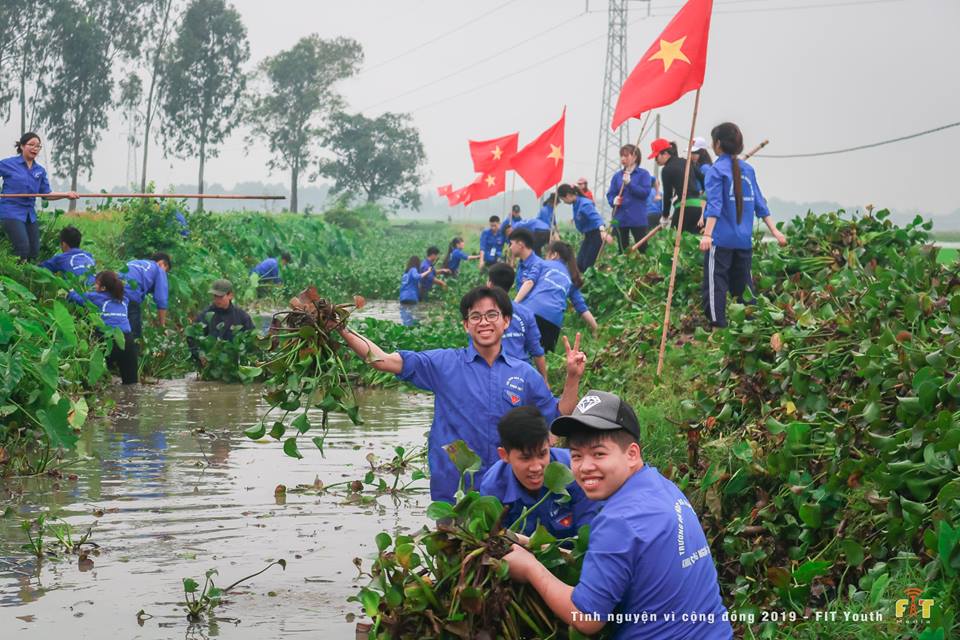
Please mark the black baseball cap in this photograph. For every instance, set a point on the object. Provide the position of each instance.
(598, 410)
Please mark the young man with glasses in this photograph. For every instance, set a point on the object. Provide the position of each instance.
(473, 386)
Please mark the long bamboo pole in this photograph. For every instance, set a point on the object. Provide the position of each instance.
(676, 244)
(145, 195)
(756, 149)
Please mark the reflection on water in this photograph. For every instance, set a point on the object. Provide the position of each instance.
(173, 488)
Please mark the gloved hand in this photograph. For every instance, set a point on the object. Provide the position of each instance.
(626, 178)
(664, 223)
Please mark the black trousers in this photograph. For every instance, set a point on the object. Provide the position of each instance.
(589, 250)
(691, 216)
(549, 334)
(125, 359)
(724, 271)
(540, 240)
(623, 237)
(135, 316)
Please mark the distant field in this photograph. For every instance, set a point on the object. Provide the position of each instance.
(946, 236)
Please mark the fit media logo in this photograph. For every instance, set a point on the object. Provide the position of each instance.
(913, 605)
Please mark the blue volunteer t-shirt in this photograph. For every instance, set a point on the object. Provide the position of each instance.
(528, 269)
(145, 277)
(563, 520)
(18, 178)
(470, 397)
(648, 554)
(632, 211)
(426, 282)
(545, 215)
(522, 337)
(491, 244)
(548, 299)
(75, 261)
(113, 312)
(456, 257)
(268, 270)
(409, 286)
(585, 215)
(722, 204)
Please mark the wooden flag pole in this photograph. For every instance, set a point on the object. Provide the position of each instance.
(756, 149)
(555, 230)
(144, 195)
(676, 244)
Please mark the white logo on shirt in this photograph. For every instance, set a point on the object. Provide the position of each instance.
(587, 402)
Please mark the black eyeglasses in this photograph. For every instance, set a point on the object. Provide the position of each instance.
(490, 316)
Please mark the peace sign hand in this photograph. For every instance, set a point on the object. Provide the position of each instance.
(576, 359)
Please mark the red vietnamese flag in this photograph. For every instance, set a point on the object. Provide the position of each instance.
(445, 190)
(488, 155)
(673, 65)
(540, 163)
(486, 185)
(457, 196)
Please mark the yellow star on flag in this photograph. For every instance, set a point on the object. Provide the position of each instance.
(556, 153)
(497, 152)
(490, 180)
(670, 51)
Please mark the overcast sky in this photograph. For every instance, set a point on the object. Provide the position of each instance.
(810, 75)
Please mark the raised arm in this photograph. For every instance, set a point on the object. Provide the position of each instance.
(576, 364)
(371, 353)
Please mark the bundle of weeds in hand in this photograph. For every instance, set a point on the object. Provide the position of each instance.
(831, 443)
(305, 371)
(451, 581)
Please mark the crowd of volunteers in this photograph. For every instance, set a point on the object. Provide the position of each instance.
(117, 296)
(494, 394)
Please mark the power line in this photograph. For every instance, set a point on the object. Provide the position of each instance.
(443, 35)
(816, 154)
(862, 146)
(477, 63)
(601, 36)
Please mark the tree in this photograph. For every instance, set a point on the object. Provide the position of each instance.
(297, 95)
(380, 157)
(203, 81)
(157, 36)
(24, 61)
(89, 37)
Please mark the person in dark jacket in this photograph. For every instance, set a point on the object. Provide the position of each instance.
(628, 193)
(672, 169)
(221, 318)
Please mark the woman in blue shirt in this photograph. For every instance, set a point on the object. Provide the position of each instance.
(588, 222)
(558, 280)
(456, 255)
(410, 290)
(733, 200)
(22, 174)
(109, 297)
(629, 189)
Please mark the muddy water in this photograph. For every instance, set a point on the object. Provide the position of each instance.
(177, 501)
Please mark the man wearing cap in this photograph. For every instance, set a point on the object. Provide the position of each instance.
(672, 170)
(221, 318)
(648, 571)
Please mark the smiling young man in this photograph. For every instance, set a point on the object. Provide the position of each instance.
(648, 570)
(473, 386)
(517, 478)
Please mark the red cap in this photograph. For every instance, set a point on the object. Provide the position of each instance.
(658, 145)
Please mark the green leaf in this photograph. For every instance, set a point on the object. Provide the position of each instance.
(370, 601)
(948, 540)
(190, 585)
(56, 425)
(301, 423)
(256, 431)
(541, 537)
(557, 477)
(854, 552)
(809, 570)
(743, 451)
(290, 448)
(277, 430)
(64, 322)
(78, 413)
(98, 365)
(878, 588)
(810, 515)
(318, 442)
(462, 457)
(440, 511)
(383, 541)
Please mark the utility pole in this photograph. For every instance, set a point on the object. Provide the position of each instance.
(615, 73)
